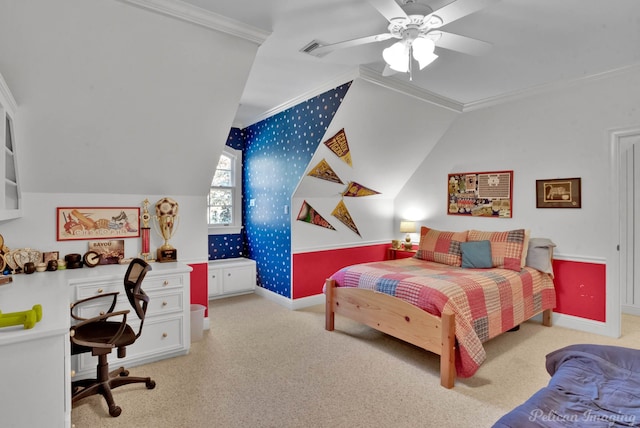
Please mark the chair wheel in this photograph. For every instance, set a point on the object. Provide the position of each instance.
(150, 384)
(115, 411)
(124, 373)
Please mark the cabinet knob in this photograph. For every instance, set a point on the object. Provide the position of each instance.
(100, 290)
(229, 274)
(164, 303)
(164, 335)
(166, 282)
(101, 313)
(73, 373)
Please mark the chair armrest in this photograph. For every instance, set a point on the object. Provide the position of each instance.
(113, 295)
(110, 342)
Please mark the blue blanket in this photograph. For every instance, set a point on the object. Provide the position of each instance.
(591, 386)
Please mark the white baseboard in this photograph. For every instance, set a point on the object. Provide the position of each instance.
(293, 305)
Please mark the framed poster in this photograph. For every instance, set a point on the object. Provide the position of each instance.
(558, 193)
(480, 194)
(82, 223)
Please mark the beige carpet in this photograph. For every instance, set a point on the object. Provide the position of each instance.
(262, 365)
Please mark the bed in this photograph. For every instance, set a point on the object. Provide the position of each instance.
(460, 290)
(590, 386)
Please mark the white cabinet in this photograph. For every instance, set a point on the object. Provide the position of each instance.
(10, 196)
(231, 277)
(166, 327)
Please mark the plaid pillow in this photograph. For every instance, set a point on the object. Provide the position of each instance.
(506, 247)
(441, 247)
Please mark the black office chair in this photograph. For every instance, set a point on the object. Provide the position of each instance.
(99, 335)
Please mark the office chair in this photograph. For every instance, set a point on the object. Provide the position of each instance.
(99, 335)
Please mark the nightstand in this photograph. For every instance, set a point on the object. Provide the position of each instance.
(400, 253)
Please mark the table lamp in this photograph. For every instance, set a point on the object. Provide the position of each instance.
(407, 227)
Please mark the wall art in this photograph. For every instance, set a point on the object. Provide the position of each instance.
(308, 214)
(339, 146)
(83, 223)
(480, 194)
(558, 193)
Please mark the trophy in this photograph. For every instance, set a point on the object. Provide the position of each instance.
(166, 221)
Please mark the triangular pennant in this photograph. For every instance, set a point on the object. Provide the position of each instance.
(354, 189)
(324, 172)
(338, 144)
(342, 213)
(308, 215)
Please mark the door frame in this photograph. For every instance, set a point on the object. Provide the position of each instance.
(617, 252)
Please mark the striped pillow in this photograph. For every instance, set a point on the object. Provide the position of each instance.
(441, 247)
(506, 247)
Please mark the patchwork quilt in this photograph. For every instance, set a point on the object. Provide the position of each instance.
(486, 302)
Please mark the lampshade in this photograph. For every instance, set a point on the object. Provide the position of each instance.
(407, 227)
(398, 55)
(423, 51)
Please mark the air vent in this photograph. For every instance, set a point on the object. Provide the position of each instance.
(311, 46)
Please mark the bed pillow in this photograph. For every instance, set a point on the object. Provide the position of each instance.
(440, 246)
(506, 247)
(476, 254)
(539, 255)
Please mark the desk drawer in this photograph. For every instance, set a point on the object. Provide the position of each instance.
(163, 282)
(164, 303)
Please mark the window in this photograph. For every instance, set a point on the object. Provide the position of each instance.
(224, 201)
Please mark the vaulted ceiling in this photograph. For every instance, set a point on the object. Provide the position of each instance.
(534, 43)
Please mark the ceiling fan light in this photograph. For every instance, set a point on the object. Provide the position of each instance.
(423, 51)
(397, 56)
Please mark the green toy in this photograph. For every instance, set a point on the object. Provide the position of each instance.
(28, 318)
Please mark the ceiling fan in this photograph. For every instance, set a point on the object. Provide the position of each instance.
(416, 26)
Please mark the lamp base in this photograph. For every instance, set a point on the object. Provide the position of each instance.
(408, 245)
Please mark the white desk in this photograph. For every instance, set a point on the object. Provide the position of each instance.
(35, 363)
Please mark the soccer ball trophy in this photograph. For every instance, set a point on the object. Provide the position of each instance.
(166, 221)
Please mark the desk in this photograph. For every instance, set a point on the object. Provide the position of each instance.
(35, 364)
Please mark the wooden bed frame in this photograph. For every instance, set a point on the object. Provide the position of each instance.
(402, 320)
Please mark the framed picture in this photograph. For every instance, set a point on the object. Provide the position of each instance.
(558, 193)
(480, 194)
(84, 223)
(111, 252)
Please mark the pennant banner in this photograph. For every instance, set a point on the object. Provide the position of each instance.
(342, 213)
(324, 172)
(309, 215)
(338, 145)
(355, 190)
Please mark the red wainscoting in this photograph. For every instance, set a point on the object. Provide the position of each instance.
(580, 289)
(310, 270)
(199, 285)
(580, 286)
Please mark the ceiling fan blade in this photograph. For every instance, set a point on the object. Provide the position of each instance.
(389, 9)
(458, 43)
(459, 9)
(323, 50)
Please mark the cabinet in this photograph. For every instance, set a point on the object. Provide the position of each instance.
(231, 277)
(10, 196)
(166, 327)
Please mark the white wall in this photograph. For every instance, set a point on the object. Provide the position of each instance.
(389, 135)
(114, 98)
(37, 228)
(559, 134)
(116, 104)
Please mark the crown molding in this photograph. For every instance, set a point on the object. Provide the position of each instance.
(373, 76)
(324, 87)
(548, 87)
(5, 94)
(204, 18)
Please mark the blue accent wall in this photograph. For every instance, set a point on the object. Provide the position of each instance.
(277, 151)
